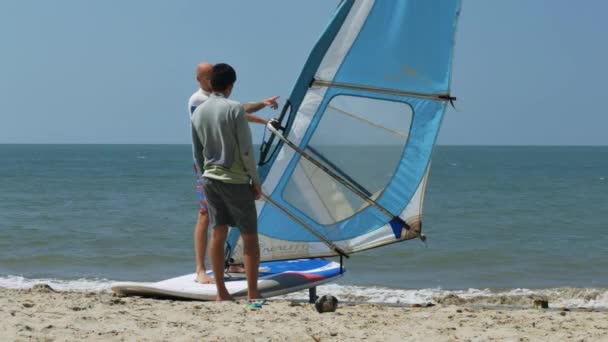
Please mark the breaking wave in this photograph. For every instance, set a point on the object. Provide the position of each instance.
(568, 297)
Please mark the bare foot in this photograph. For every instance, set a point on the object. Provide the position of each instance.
(203, 278)
(236, 268)
(226, 297)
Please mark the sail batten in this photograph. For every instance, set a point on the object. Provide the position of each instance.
(348, 169)
(431, 96)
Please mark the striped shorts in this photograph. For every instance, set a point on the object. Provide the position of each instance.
(202, 202)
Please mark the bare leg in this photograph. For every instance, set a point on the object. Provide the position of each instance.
(216, 254)
(251, 258)
(200, 247)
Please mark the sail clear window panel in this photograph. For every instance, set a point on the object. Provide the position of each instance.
(360, 139)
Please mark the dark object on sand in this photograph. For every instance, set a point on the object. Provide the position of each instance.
(541, 303)
(42, 288)
(450, 299)
(326, 304)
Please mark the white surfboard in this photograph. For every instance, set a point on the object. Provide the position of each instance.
(276, 278)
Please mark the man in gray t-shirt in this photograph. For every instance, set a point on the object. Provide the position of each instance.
(223, 151)
(203, 75)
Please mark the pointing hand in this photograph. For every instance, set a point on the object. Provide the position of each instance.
(271, 102)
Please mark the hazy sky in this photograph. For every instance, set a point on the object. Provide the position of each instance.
(526, 72)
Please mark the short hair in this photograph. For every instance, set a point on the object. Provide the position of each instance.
(222, 77)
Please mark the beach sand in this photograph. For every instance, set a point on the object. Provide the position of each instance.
(43, 314)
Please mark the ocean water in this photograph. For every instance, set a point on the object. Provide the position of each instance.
(501, 222)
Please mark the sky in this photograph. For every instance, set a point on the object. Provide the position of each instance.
(525, 72)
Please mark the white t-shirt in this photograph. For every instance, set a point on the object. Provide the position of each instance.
(196, 99)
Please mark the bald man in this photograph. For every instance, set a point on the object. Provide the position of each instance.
(203, 77)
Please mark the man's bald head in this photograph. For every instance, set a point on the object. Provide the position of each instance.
(203, 75)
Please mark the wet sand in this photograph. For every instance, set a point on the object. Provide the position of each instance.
(43, 314)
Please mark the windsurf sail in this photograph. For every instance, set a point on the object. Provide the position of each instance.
(345, 166)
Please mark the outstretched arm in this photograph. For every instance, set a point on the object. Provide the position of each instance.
(252, 107)
(256, 119)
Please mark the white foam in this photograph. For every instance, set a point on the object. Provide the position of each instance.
(558, 297)
(370, 294)
(18, 282)
(593, 298)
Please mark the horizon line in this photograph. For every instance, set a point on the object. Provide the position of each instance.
(452, 145)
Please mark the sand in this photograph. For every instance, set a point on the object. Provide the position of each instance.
(45, 315)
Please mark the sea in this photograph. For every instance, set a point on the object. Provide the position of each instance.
(503, 224)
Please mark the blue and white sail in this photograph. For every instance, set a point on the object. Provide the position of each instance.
(367, 109)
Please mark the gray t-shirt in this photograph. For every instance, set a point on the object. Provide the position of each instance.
(221, 141)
